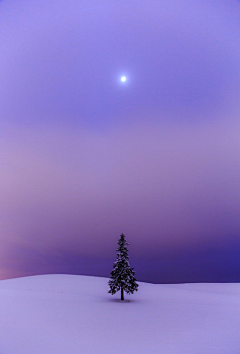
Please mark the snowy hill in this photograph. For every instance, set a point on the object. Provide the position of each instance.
(69, 314)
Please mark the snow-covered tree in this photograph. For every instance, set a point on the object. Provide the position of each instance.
(122, 276)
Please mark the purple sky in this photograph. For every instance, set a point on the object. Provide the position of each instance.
(85, 157)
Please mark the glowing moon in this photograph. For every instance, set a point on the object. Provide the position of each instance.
(123, 78)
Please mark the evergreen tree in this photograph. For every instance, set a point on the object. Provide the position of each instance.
(122, 276)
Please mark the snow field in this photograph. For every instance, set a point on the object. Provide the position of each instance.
(70, 314)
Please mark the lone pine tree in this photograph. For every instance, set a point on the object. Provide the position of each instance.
(122, 276)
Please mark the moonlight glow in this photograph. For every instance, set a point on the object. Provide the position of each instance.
(123, 79)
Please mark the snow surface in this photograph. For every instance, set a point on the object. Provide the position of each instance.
(70, 314)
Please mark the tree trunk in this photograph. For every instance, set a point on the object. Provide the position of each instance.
(122, 294)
